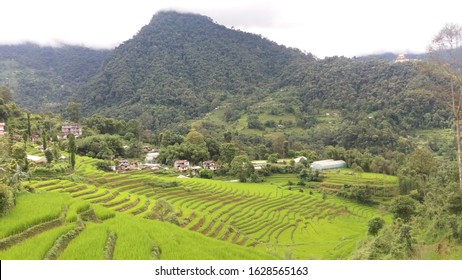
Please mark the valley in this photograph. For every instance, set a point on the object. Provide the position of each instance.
(191, 140)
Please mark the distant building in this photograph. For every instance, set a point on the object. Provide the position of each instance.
(74, 128)
(210, 164)
(182, 165)
(2, 129)
(259, 164)
(327, 164)
(152, 166)
(151, 157)
(401, 58)
(300, 159)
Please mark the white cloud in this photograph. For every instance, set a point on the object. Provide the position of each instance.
(328, 27)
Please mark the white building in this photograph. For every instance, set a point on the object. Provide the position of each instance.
(327, 164)
(151, 157)
(2, 129)
(74, 128)
(299, 159)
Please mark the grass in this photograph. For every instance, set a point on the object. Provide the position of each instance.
(136, 238)
(267, 220)
(36, 247)
(89, 245)
(45, 206)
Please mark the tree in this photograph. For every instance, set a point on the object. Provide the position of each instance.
(194, 137)
(206, 173)
(49, 156)
(375, 225)
(6, 199)
(253, 122)
(13, 175)
(403, 207)
(44, 139)
(56, 151)
(29, 133)
(18, 152)
(445, 51)
(73, 109)
(5, 94)
(242, 167)
(286, 148)
(135, 149)
(273, 158)
(227, 152)
(72, 150)
(164, 212)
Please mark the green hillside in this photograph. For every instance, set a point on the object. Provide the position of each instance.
(180, 66)
(75, 229)
(43, 78)
(251, 221)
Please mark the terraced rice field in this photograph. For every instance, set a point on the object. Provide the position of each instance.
(70, 228)
(261, 217)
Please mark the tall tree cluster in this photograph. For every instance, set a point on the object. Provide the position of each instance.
(446, 53)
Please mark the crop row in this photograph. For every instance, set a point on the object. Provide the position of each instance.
(218, 210)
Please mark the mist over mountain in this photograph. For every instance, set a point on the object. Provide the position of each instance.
(182, 66)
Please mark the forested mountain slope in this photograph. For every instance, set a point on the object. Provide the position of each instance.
(43, 77)
(180, 66)
(183, 66)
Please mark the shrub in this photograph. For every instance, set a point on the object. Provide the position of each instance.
(403, 207)
(104, 165)
(206, 173)
(375, 225)
(49, 156)
(362, 194)
(6, 199)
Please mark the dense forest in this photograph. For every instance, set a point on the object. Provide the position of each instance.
(43, 77)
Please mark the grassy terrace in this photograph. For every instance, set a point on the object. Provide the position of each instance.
(265, 218)
(83, 231)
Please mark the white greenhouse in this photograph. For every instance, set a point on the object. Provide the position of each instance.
(327, 164)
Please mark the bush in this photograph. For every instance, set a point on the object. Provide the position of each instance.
(6, 199)
(206, 173)
(361, 194)
(403, 207)
(104, 165)
(375, 225)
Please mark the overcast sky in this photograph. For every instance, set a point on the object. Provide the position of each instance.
(323, 27)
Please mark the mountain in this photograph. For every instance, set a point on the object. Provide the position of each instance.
(44, 77)
(181, 66)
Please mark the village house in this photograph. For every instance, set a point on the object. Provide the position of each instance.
(148, 149)
(401, 58)
(210, 164)
(2, 129)
(182, 165)
(123, 164)
(259, 164)
(151, 157)
(74, 128)
(300, 159)
(152, 166)
(195, 169)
